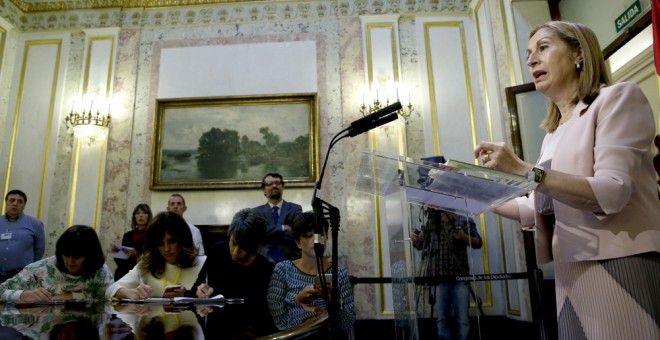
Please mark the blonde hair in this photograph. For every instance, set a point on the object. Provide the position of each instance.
(592, 75)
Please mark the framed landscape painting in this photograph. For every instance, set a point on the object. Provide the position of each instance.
(232, 142)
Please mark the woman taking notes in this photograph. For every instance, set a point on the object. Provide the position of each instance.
(169, 260)
(77, 271)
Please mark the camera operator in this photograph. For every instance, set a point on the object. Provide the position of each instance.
(444, 239)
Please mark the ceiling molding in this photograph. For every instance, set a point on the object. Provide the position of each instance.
(47, 6)
(177, 13)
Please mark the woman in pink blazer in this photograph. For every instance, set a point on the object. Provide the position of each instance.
(596, 207)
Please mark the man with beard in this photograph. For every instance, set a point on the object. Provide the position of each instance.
(278, 243)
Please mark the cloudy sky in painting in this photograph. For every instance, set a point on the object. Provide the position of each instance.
(183, 126)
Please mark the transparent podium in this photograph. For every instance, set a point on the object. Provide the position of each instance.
(406, 189)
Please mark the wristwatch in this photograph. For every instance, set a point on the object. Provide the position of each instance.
(537, 173)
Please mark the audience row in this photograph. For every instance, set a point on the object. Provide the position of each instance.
(268, 261)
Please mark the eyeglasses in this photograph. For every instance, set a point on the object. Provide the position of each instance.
(268, 184)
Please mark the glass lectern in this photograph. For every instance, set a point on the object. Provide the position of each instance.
(460, 188)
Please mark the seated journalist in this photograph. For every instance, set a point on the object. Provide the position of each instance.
(169, 259)
(292, 295)
(237, 271)
(77, 271)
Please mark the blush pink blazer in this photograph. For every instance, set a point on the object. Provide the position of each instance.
(610, 143)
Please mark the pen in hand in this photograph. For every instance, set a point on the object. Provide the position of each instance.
(37, 280)
(39, 294)
(143, 291)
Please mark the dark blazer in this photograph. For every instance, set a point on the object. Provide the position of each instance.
(233, 280)
(274, 235)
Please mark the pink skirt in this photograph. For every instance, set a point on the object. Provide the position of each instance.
(609, 299)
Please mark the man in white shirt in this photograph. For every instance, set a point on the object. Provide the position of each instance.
(177, 204)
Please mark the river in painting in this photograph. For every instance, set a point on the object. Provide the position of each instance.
(184, 165)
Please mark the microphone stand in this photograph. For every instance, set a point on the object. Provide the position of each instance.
(323, 211)
(320, 207)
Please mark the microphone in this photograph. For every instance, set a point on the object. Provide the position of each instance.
(319, 245)
(376, 115)
(374, 124)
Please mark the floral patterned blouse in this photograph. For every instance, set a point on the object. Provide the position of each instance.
(56, 282)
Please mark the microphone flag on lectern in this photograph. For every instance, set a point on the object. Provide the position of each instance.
(655, 9)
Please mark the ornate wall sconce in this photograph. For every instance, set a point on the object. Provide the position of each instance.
(389, 92)
(86, 123)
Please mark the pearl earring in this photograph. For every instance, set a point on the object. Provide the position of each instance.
(578, 66)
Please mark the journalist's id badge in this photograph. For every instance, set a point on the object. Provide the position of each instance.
(5, 236)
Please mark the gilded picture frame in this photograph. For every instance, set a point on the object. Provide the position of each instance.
(231, 142)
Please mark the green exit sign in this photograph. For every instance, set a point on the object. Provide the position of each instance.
(628, 16)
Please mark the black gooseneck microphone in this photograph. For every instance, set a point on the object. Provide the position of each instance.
(364, 124)
(324, 211)
(374, 120)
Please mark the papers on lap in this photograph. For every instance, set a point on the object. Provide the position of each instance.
(218, 299)
(120, 254)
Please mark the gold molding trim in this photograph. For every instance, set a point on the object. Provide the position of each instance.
(369, 27)
(470, 98)
(99, 183)
(3, 40)
(486, 260)
(431, 83)
(51, 113)
(111, 61)
(509, 57)
(394, 46)
(484, 76)
(74, 181)
(17, 110)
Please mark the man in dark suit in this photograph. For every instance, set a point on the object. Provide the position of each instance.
(278, 243)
